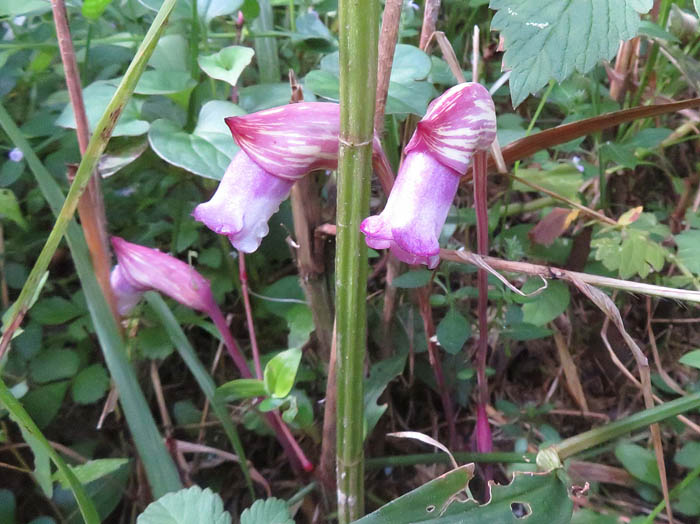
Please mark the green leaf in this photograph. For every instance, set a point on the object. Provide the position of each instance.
(90, 384)
(8, 506)
(548, 305)
(154, 343)
(92, 470)
(97, 95)
(631, 253)
(9, 208)
(54, 310)
(54, 364)
(691, 359)
(689, 249)
(639, 462)
(241, 388)
(412, 279)
(42, 462)
(563, 179)
(164, 82)
(551, 39)
(268, 511)
(206, 9)
(281, 371)
(187, 506)
(19, 7)
(93, 9)
(171, 54)
(207, 151)
(227, 64)
(43, 403)
(689, 455)
(524, 331)
(380, 375)
(453, 331)
(300, 321)
(696, 4)
(544, 497)
(311, 29)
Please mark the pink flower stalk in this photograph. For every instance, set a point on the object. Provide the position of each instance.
(456, 125)
(278, 147)
(140, 269)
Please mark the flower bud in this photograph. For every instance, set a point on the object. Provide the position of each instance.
(140, 269)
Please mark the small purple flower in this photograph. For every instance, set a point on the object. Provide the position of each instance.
(458, 123)
(15, 155)
(278, 147)
(140, 269)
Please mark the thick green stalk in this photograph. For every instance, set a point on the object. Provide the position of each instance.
(160, 469)
(201, 375)
(596, 436)
(22, 418)
(359, 24)
(96, 146)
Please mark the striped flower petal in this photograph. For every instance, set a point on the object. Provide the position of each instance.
(460, 121)
(140, 269)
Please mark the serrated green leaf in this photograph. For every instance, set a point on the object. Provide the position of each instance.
(689, 249)
(90, 384)
(9, 208)
(551, 39)
(453, 331)
(187, 506)
(93, 9)
(268, 511)
(54, 310)
(412, 279)
(548, 305)
(281, 371)
(227, 64)
(241, 388)
(43, 403)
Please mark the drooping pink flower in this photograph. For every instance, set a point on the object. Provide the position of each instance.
(140, 269)
(458, 123)
(278, 147)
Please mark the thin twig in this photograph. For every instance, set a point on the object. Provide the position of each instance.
(387, 45)
(249, 315)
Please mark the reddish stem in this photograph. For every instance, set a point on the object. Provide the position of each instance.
(434, 357)
(296, 455)
(484, 443)
(249, 315)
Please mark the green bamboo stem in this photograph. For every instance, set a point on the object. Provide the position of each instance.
(596, 436)
(96, 146)
(359, 24)
(22, 418)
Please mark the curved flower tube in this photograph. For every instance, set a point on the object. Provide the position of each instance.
(140, 269)
(278, 147)
(456, 125)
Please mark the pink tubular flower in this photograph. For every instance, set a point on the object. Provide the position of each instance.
(458, 123)
(278, 147)
(140, 269)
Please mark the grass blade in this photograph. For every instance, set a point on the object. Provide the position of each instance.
(22, 418)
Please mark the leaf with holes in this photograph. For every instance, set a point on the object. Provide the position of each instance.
(551, 39)
(539, 497)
